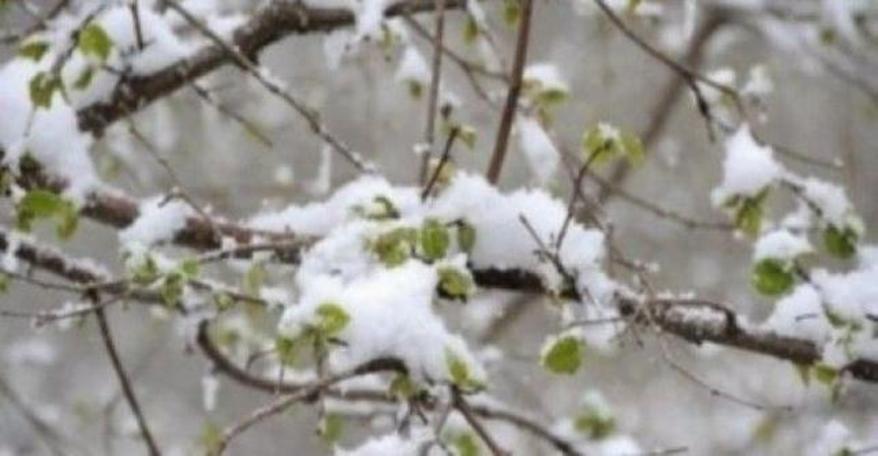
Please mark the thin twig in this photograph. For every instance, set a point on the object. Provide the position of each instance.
(435, 81)
(511, 106)
(446, 155)
(310, 115)
(124, 381)
(464, 408)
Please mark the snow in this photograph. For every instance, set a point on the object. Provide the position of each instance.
(159, 220)
(209, 389)
(547, 76)
(852, 295)
(830, 198)
(800, 314)
(413, 67)
(759, 85)
(394, 444)
(391, 316)
(539, 151)
(748, 168)
(40, 131)
(781, 245)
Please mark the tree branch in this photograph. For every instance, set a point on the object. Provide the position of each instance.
(511, 107)
(268, 25)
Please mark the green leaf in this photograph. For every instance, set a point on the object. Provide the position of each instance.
(459, 372)
(454, 283)
(172, 289)
(434, 239)
(771, 277)
(595, 425)
(468, 135)
(254, 278)
(42, 87)
(331, 427)
(84, 79)
(285, 348)
(564, 356)
(380, 209)
(39, 204)
(416, 89)
(211, 438)
(511, 12)
(470, 30)
(94, 41)
(190, 267)
(33, 50)
(4, 283)
(466, 444)
(748, 212)
(825, 374)
(633, 148)
(804, 372)
(223, 301)
(402, 386)
(146, 272)
(332, 318)
(840, 243)
(466, 236)
(394, 247)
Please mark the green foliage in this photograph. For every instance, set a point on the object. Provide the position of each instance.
(42, 88)
(826, 375)
(332, 319)
(455, 284)
(34, 50)
(748, 211)
(840, 243)
(466, 444)
(40, 204)
(511, 12)
(564, 356)
(459, 372)
(190, 267)
(331, 427)
(145, 272)
(403, 387)
(772, 277)
(381, 209)
(223, 301)
(93, 41)
(470, 30)
(602, 143)
(394, 247)
(254, 279)
(595, 425)
(172, 289)
(4, 283)
(434, 239)
(466, 236)
(285, 348)
(416, 89)
(84, 79)
(211, 438)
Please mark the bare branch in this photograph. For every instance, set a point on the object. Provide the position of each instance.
(511, 107)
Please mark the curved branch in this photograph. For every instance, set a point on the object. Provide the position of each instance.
(269, 24)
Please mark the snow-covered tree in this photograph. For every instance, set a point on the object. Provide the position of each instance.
(438, 227)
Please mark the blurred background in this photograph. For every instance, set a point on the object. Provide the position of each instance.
(62, 376)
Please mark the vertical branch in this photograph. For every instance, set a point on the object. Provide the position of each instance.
(499, 154)
(430, 129)
(138, 31)
(124, 382)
